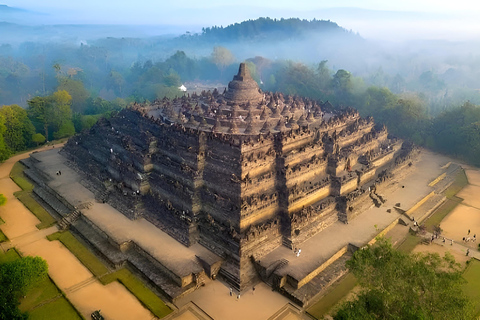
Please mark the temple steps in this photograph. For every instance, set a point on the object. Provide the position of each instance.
(287, 242)
(68, 220)
(227, 273)
(101, 245)
(154, 275)
(318, 285)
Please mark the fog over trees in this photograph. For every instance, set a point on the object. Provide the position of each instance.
(67, 76)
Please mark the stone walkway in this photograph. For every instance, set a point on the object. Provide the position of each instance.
(79, 285)
(458, 247)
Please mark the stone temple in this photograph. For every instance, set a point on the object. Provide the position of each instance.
(241, 174)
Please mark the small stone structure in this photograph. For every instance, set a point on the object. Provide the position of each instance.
(240, 173)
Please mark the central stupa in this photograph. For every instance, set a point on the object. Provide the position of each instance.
(243, 89)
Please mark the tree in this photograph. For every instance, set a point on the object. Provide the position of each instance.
(3, 200)
(67, 129)
(76, 90)
(342, 86)
(51, 111)
(4, 150)
(16, 278)
(323, 74)
(40, 110)
(397, 285)
(222, 57)
(18, 127)
(38, 138)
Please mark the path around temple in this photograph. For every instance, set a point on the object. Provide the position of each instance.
(81, 288)
(462, 222)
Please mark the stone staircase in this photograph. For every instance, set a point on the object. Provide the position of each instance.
(317, 286)
(277, 265)
(287, 242)
(67, 221)
(227, 273)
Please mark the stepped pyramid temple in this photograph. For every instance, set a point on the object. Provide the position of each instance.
(236, 178)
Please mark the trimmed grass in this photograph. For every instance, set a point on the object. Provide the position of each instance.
(19, 178)
(87, 258)
(472, 287)
(10, 255)
(150, 300)
(45, 290)
(46, 220)
(58, 309)
(460, 182)
(409, 243)
(333, 297)
(441, 212)
(3, 237)
(55, 306)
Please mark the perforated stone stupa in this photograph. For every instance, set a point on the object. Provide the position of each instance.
(241, 172)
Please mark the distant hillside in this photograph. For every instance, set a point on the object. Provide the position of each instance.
(6, 9)
(271, 29)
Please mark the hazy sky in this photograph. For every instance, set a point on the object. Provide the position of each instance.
(371, 18)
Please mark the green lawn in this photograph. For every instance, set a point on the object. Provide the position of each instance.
(19, 178)
(3, 237)
(409, 243)
(472, 287)
(44, 300)
(46, 219)
(460, 182)
(441, 212)
(43, 291)
(10, 255)
(150, 300)
(59, 309)
(87, 258)
(337, 293)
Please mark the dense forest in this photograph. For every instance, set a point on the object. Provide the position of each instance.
(50, 90)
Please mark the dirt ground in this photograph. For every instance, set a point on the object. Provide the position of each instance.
(457, 223)
(466, 215)
(114, 300)
(81, 288)
(63, 267)
(473, 177)
(470, 195)
(441, 250)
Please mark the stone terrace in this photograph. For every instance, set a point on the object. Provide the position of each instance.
(120, 230)
(321, 247)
